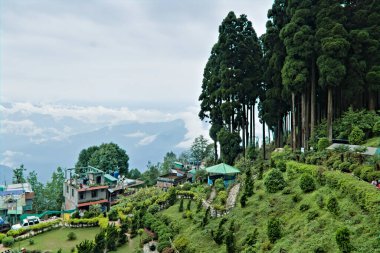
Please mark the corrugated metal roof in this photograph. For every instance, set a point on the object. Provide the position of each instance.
(110, 178)
(222, 168)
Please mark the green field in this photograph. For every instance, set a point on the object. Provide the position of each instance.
(56, 239)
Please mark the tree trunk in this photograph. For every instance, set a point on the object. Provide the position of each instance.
(299, 125)
(247, 126)
(293, 121)
(372, 101)
(254, 127)
(215, 151)
(251, 126)
(307, 120)
(264, 139)
(329, 112)
(243, 129)
(303, 120)
(312, 99)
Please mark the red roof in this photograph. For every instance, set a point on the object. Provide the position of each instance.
(93, 188)
(93, 203)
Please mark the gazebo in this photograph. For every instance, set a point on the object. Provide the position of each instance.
(222, 170)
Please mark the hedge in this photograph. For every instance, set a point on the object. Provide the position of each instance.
(362, 193)
(81, 222)
(34, 228)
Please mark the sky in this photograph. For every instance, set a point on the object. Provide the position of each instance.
(111, 60)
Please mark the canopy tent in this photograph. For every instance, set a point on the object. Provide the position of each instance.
(222, 168)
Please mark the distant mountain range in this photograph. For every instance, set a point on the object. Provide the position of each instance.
(143, 142)
(6, 174)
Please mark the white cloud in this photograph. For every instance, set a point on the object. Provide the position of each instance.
(147, 140)
(137, 134)
(9, 157)
(22, 127)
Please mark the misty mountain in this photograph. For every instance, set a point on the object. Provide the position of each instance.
(143, 142)
(6, 174)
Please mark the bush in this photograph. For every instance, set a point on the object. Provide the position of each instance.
(2, 236)
(320, 201)
(8, 241)
(181, 243)
(31, 242)
(323, 143)
(356, 136)
(376, 128)
(312, 215)
(243, 200)
(332, 205)
(304, 207)
(112, 215)
(274, 230)
(345, 167)
(219, 184)
(71, 236)
(336, 165)
(180, 208)
(274, 181)
(222, 197)
(296, 198)
(307, 183)
(281, 165)
(342, 238)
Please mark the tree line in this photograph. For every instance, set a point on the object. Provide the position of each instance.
(316, 59)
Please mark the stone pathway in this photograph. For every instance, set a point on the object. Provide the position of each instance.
(230, 203)
(232, 195)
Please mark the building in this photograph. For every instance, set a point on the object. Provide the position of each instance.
(224, 171)
(171, 179)
(93, 186)
(15, 200)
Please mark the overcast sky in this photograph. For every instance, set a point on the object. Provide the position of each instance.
(115, 52)
(109, 61)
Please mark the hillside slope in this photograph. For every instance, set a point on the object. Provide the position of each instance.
(306, 223)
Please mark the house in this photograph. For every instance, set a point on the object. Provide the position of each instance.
(171, 179)
(224, 171)
(93, 186)
(15, 200)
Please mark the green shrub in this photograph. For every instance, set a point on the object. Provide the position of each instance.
(304, 207)
(112, 215)
(307, 183)
(243, 200)
(353, 167)
(219, 184)
(323, 143)
(221, 198)
(312, 215)
(376, 128)
(8, 241)
(345, 167)
(296, 198)
(2, 236)
(181, 243)
(374, 175)
(342, 238)
(356, 136)
(365, 173)
(336, 165)
(71, 236)
(180, 208)
(274, 230)
(320, 201)
(274, 181)
(287, 191)
(333, 205)
(31, 242)
(281, 165)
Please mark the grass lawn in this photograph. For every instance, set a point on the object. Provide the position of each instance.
(56, 239)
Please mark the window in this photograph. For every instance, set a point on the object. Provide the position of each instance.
(72, 192)
(67, 189)
(98, 180)
(94, 194)
(81, 195)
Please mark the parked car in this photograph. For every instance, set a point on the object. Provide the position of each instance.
(28, 221)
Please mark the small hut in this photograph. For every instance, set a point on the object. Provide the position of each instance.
(222, 170)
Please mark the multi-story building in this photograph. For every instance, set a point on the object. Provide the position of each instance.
(15, 200)
(93, 186)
